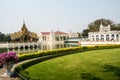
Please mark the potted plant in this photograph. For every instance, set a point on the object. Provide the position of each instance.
(7, 60)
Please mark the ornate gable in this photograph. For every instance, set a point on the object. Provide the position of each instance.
(104, 28)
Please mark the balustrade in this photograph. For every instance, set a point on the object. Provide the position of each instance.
(24, 47)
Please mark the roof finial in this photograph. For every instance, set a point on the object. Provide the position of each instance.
(101, 21)
(101, 25)
(24, 26)
(23, 21)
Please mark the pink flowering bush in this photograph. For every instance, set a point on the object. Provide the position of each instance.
(8, 57)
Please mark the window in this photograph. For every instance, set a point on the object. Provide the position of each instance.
(117, 37)
(112, 37)
(107, 38)
(92, 37)
(44, 38)
(97, 37)
(102, 37)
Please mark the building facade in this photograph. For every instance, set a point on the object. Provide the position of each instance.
(73, 35)
(53, 37)
(105, 34)
(51, 40)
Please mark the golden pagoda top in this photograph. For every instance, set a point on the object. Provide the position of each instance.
(24, 27)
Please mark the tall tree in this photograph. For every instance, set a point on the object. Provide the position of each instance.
(85, 32)
(4, 38)
(79, 34)
(115, 27)
(94, 26)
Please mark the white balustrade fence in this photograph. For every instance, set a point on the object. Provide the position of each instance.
(24, 47)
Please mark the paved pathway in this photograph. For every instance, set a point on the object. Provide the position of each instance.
(2, 71)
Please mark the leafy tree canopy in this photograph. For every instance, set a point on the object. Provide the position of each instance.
(4, 37)
(94, 26)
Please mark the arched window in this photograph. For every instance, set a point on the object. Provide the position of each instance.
(107, 38)
(113, 37)
(97, 37)
(93, 38)
(102, 37)
(117, 37)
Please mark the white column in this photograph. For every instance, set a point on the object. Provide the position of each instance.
(119, 36)
(99, 37)
(110, 37)
(104, 37)
(59, 38)
(115, 37)
(94, 37)
(90, 37)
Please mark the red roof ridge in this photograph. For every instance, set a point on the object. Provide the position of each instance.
(60, 32)
(56, 32)
(45, 33)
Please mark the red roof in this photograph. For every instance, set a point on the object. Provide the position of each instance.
(45, 33)
(56, 33)
(60, 33)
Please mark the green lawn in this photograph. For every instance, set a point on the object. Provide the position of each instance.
(90, 65)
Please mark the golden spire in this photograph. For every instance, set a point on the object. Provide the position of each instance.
(24, 29)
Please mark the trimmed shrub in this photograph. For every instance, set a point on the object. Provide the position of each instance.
(64, 51)
(3, 50)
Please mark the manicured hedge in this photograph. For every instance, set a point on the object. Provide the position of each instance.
(3, 50)
(32, 55)
(20, 68)
(42, 56)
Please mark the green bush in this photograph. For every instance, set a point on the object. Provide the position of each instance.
(3, 50)
(25, 74)
(20, 68)
(64, 50)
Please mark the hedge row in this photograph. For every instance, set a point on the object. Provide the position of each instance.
(20, 68)
(32, 55)
(42, 56)
(3, 50)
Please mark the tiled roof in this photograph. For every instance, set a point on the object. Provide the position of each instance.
(45, 33)
(59, 33)
(56, 33)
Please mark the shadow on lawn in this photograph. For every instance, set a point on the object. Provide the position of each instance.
(88, 76)
(113, 69)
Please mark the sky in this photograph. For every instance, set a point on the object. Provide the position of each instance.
(52, 15)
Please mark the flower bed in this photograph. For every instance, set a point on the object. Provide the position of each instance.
(8, 60)
(8, 57)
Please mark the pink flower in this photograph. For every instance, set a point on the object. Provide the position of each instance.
(8, 57)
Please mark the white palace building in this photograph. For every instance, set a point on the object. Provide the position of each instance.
(105, 34)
